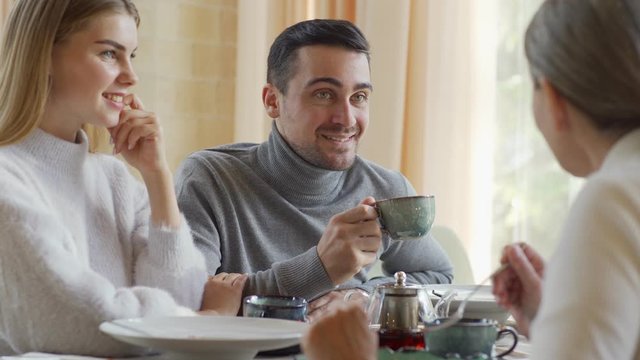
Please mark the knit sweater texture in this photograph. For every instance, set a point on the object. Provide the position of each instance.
(261, 209)
(77, 248)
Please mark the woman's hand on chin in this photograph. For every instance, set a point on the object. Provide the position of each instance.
(139, 138)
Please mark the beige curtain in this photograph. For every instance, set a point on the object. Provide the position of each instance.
(433, 103)
(432, 111)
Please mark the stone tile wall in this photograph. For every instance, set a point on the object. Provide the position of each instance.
(186, 62)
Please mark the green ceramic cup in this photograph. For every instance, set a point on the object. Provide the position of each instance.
(469, 337)
(406, 218)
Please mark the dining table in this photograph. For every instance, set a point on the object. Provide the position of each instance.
(521, 351)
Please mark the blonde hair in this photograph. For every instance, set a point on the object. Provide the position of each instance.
(589, 50)
(31, 31)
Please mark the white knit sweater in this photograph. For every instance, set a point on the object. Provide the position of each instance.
(77, 248)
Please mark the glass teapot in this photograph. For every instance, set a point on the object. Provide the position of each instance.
(399, 311)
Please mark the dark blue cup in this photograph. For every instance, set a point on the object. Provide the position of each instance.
(278, 307)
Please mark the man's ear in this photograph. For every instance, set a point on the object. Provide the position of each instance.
(558, 105)
(270, 100)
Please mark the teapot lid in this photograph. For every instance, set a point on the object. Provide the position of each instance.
(401, 278)
(400, 286)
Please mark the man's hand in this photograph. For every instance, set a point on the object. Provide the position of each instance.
(341, 335)
(328, 302)
(519, 287)
(350, 241)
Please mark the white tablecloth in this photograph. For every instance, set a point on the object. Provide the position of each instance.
(522, 351)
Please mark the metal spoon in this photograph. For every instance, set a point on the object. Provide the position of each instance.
(442, 306)
(453, 319)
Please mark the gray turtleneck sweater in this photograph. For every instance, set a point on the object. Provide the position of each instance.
(261, 209)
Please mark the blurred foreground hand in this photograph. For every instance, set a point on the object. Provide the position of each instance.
(343, 334)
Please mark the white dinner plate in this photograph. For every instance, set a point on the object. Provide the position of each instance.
(481, 305)
(210, 337)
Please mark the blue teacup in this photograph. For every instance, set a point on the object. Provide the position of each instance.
(278, 307)
(406, 218)
(469, 337)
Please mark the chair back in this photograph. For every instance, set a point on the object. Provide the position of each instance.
(462, 273)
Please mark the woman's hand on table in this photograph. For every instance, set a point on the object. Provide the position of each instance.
(223, 294)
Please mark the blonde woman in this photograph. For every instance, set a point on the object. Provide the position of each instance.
(81, 240)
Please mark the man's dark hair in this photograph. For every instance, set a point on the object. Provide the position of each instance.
(281, 64)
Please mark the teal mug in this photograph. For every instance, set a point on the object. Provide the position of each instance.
(277, 307)
(469, 337)
(406, 218)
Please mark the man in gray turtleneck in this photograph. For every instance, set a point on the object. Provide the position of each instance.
(295, 211)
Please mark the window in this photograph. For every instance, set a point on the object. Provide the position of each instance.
(531, 194)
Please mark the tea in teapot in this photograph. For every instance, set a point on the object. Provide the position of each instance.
(398, 311)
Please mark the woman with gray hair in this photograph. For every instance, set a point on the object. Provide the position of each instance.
(81, 240)
(584, 56)
(585, 61)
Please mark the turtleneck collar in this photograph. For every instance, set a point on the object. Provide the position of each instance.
(58, 155)
(627, 147)
(293, 177)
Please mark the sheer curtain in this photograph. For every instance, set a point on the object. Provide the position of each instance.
(433, 107)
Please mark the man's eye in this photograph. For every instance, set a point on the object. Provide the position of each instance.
(323, 95)
(360, 98)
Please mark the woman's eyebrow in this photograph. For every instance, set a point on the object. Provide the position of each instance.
(115, 44)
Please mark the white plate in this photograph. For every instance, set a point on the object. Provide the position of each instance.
(219, 337)
(481, 305)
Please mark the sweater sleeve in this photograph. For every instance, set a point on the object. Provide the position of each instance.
(170, 261)
(194, 192)
(166, 258)
(303, 275)
(50, 299)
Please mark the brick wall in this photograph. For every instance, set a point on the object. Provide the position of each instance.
(186, 62)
